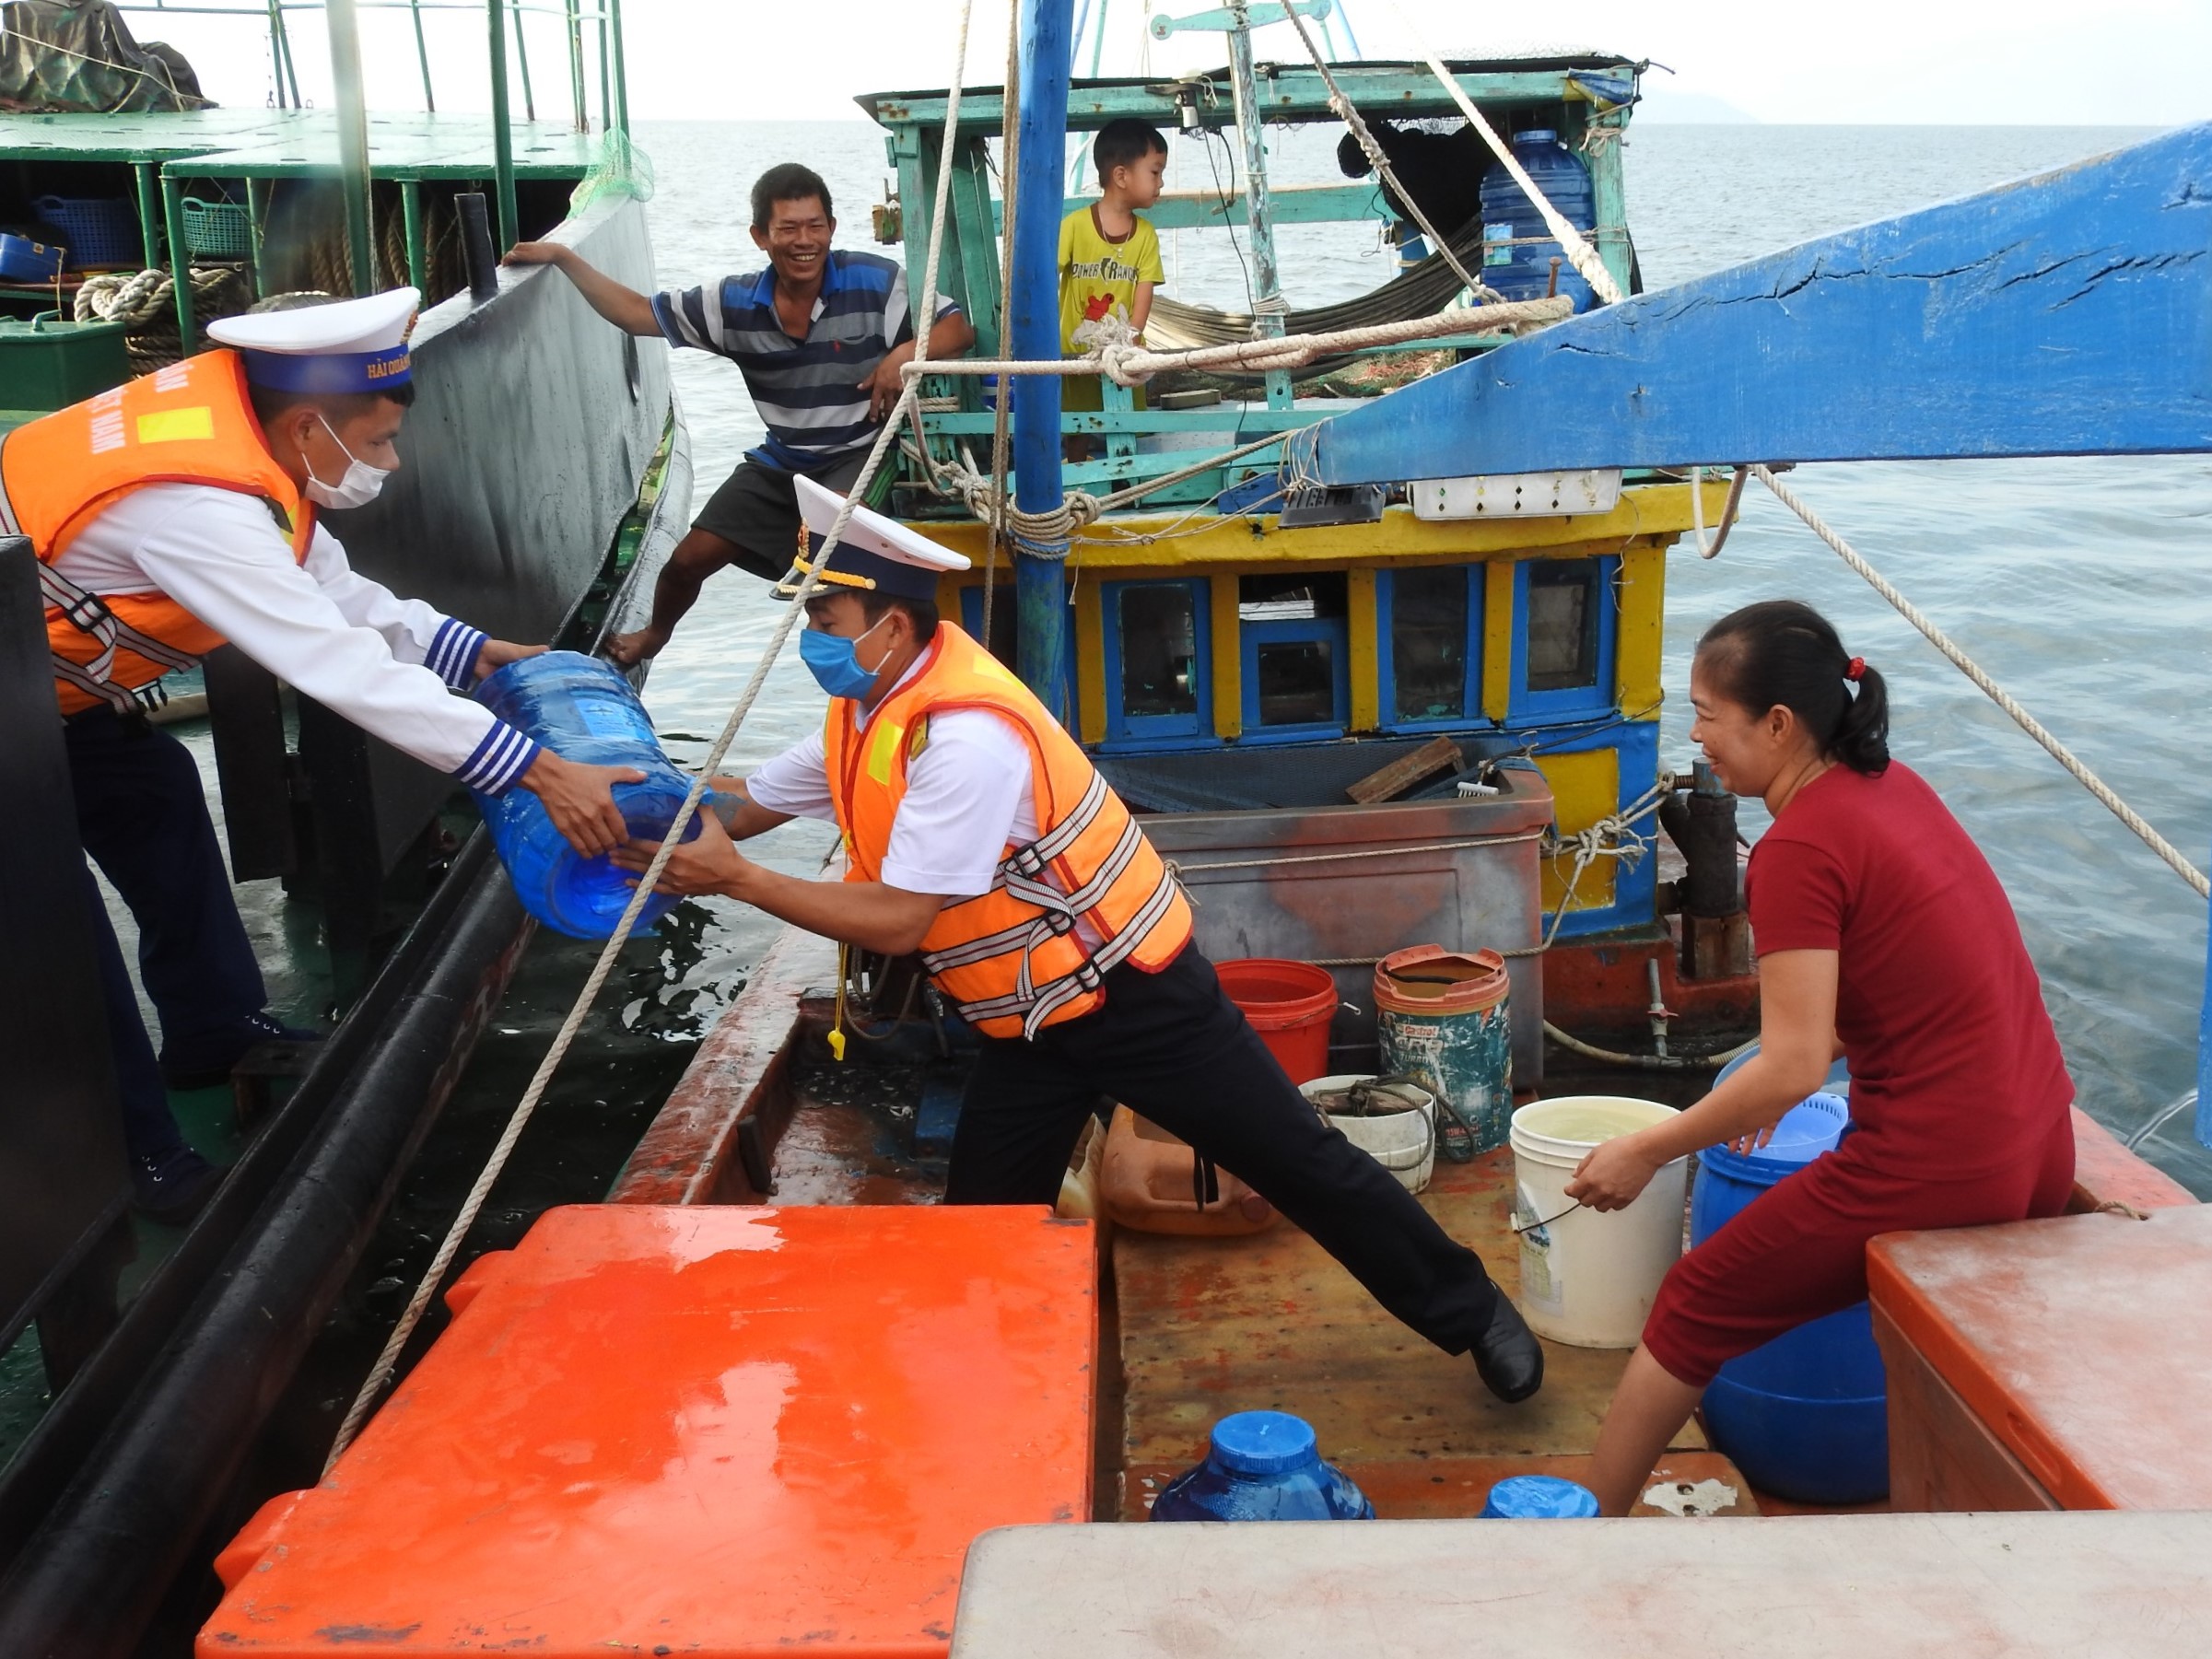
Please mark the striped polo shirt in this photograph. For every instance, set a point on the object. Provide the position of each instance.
(808, 391)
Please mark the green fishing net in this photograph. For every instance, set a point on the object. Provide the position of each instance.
(623, 170)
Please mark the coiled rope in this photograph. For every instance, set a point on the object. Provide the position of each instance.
(379, 1374)
(1996, 693)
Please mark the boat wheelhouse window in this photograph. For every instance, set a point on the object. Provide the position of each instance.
(1429, 634)
(1563, 601)
(1005, 617)
(1296, 645)
(1159, 649)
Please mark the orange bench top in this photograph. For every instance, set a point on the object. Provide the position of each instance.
(702, 1430)
(2081, 1341)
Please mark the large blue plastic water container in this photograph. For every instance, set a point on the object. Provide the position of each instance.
(583, 711)
(1806, 1417)
(1515, 265)
(1262, 1466)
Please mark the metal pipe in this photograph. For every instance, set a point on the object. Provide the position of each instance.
(422, 54)
(476, 251)
(411, 214)
(503, 138)
(94, 1574)
(622, 75)
(180, 262)
(1267, 307)
(530, 102)
(1039, 597)
(149, 231)
(579, 104)
(276, 58)
(352, 141)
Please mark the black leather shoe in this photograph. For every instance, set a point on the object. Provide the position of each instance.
(207, 1059)
(174, 1186)
(1508, 1358)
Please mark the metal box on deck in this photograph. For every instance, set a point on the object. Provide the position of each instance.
(48, 364)
(1324, 883)
(715, 1430)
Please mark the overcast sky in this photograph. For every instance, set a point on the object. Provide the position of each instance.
(2042, 63)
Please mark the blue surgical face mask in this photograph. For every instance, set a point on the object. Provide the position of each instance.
(835, 662)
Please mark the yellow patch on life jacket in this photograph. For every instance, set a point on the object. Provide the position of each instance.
(176, 426)
(882, 745)
(920, 741)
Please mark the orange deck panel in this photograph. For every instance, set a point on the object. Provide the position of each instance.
(715, 1430)
(2081, 1343)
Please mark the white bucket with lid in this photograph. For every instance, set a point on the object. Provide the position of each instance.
(1590, 1279)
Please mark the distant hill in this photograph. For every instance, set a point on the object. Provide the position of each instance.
(1664, 105)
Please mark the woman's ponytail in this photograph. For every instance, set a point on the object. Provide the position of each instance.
(1783, 653)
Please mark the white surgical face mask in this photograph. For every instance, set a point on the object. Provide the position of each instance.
(357, 489)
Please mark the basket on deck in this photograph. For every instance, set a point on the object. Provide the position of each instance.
(96, 230)
(218, 229)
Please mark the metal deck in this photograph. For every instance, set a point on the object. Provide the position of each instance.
(290, 144)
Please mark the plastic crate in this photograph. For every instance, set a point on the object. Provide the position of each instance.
(95, 230)
(218, 229)
(22, 260)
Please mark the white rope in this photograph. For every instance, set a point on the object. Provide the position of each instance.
(1578, 251)
(1134, 365)
(1709, 549)
(1996, 694)
(387, 1362)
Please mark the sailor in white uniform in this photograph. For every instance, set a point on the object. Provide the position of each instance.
(328, 389)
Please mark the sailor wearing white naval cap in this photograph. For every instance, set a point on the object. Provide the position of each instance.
(181, 510)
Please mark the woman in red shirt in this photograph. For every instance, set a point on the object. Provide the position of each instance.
(1883, 936)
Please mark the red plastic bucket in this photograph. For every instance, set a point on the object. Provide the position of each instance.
(1290, 1004)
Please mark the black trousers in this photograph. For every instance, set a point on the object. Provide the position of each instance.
(142, 814)
(1173, 1048)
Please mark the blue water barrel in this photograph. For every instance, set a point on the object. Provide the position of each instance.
(1538, 1497)
(1262, 1466)
(1806, 1416)
(583, 711)
(1519, 268)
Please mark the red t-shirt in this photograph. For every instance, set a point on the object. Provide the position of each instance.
(1955, 1069)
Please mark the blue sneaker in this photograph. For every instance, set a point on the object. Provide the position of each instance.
(174, 1185)
(207, 1059)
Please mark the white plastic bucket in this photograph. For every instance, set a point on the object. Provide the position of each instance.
(1402, 1142)
(1590, 1279)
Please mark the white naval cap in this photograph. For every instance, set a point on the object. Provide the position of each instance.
(874, 553)
(344, 345)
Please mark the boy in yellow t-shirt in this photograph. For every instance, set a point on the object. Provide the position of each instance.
(1110, 258)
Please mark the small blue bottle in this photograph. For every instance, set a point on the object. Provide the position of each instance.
(1262, 1466)
(1538, 1497)
(583, 711)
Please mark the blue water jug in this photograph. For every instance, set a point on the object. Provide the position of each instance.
(1805, 1417)
(1538, 1497)
(1517, 251)
(583, 711)
(1262, 1466)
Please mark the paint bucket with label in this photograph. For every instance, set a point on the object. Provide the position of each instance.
(1590, 1279)
(1440, 1018)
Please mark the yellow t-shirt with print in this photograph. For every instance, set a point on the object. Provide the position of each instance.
(1099, 277)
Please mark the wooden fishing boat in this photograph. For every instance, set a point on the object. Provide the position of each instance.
(770, 1395)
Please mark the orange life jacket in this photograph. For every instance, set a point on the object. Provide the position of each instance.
(187, 424)
(1011, 957)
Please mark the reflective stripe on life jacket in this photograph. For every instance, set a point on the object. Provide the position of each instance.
(1011, 958)
(191, 423)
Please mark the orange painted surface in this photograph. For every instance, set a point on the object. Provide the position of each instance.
(715, 1430)
(2081, 1342)
(2105, 1172)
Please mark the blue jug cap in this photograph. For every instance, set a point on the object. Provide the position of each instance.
(1808, 1129)
(1538, 1497)
(1263, 1442)
(1536, 135)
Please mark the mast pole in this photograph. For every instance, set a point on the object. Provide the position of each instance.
(1260, 218)
(1047, 46)
(353, 140)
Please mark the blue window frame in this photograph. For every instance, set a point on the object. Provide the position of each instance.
(1429, 646)
(1295, 651)
(1565, 627)
(1159, 680)
(1005, 630)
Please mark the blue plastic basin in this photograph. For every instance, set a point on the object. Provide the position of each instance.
(1806, 1417)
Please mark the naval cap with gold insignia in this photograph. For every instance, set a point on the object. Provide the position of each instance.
(345, 346)
(875, 555)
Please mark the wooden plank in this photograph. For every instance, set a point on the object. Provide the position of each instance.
(2059, 315)
(1388, 783)
(1943, 1457)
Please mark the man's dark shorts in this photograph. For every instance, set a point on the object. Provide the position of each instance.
(757, 510)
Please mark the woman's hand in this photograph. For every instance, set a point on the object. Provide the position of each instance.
(1612, 1173)
(708, 863)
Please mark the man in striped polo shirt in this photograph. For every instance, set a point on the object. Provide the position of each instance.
(819, 337)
